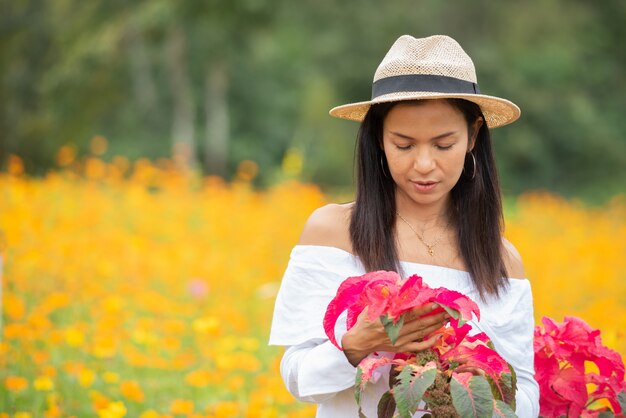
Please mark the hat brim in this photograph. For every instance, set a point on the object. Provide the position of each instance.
(497, 111)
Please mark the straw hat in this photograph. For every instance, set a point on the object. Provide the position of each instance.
(429, 68)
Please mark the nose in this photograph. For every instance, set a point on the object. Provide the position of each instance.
(424, 161)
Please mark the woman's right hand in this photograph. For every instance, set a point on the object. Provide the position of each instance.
(367, 336)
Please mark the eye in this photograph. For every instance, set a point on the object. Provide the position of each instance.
(404, 147)
(444, 147)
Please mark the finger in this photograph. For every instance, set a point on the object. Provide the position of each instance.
(414, 347)
(419, 334)
(363, 313)
(422, 310)
(412, 316)
(424, 322)
(473, 370)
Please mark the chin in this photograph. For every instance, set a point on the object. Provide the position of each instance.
(426, 199)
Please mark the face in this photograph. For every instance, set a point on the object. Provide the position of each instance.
(425, 144)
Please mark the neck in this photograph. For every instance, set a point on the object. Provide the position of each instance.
(435, 214)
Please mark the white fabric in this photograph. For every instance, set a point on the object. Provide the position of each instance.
(316, 371)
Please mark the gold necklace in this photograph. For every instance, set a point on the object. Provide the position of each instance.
(430, 247)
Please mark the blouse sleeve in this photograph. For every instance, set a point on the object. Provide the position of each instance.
(314, 371)
(313, 368)
(509, 322)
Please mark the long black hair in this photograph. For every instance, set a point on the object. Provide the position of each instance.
(476, 203)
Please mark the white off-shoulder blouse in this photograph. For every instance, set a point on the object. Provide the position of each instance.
(314, 370)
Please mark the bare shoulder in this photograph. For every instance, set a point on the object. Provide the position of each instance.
(513, 260)
(328, 226)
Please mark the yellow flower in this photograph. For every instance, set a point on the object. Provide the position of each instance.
(127, 301)
(22, 415)
(111, 377)
(103, 347)
(206, 325)
(15, 383)
(113, 410)
(150, 413)
(249, 344)
(141, 336)
(43, 383)
(86, 377)
(74, 337)
(113, 304)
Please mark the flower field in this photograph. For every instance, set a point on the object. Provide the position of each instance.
(135, 290)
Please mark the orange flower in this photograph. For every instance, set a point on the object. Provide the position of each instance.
(15, 383)
(182, 406)
(226, 409)
(131, 390)
(98, 400)
(14, 307)
(199, 378)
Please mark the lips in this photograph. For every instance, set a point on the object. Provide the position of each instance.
(424, 186)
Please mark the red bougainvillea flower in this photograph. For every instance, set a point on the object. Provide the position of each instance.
(389, 297)
(561, 351)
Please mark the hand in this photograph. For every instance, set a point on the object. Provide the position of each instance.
(470, 369)
(463, 368)
(367, 336)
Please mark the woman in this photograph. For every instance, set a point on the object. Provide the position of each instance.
(427, 203)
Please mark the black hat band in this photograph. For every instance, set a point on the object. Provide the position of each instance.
(423, 82)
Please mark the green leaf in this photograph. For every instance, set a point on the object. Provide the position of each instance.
(413, 382)
(621, 398)
(606, 414)
(512, 384)
(357, 385)
(504, 389)
(386, 406)
(453, 313)
(471, 395)
(501, 409)
(392, 328)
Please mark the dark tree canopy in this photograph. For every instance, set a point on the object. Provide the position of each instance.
(254, 79)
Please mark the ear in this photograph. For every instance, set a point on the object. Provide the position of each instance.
(474, 129)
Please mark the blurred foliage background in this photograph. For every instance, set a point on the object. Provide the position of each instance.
(213, 83)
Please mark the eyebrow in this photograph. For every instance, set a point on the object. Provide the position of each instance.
(443, 135)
